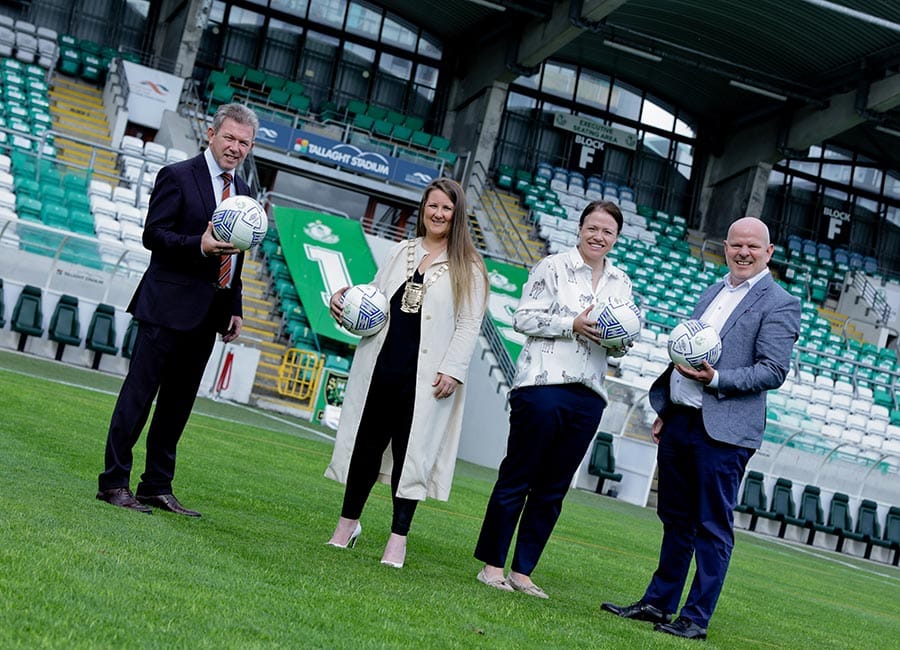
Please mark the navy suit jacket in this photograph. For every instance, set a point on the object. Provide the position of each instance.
(178, 290)
(757, 341)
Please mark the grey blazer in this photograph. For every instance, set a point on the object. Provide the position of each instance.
(757, 341)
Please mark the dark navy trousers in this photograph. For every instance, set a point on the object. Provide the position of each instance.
(550, 429)
(698, 487)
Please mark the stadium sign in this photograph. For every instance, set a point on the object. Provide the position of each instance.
(346, 156)
(591, 130)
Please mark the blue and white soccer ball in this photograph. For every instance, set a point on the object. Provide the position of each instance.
(692, 342)
(365, 310)
(618, 320)
(241, 221)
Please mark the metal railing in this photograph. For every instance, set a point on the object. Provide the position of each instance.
(481, 188)
(874, 298)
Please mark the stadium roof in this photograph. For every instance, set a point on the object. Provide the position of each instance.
(706, 56)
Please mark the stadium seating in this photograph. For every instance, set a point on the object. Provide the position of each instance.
(603, 462)
(782, 505)
(27, 317)
(129, 338)
(753, 498)
(65, 327)
(101, 333)
(868, 530)
(810, 515)
(840, 522)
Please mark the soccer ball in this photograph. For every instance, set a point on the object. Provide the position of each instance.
(618, 320)
(240, 221)
(365, 310)
(692, 342)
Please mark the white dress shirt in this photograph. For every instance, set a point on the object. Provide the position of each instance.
(559, 288)
(689, 392)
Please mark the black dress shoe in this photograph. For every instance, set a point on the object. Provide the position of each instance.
(167, 502)
(683, 627)
(123, 498)
(637, 611)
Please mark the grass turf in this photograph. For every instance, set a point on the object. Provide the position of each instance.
(254, 570)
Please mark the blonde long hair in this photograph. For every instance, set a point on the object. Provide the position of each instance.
(461, 252)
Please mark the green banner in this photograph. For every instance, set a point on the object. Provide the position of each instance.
(323, 252)
(507, 281)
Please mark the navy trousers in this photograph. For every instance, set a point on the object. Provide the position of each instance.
(550, 428)
(698, 488)
(167, 365)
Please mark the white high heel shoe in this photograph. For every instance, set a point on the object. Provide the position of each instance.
(351, 542)
(393, 542)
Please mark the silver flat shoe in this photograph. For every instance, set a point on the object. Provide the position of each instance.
(496, 583)
(531, 590)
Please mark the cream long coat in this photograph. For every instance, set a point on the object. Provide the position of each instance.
(446, 346)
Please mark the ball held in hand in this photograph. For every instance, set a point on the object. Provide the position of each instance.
(365, 310)
(618, 321)
(692, 342)
(240, 221)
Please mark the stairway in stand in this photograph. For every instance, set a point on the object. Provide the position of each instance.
(80, 121)
(514, 234)
(262, 330)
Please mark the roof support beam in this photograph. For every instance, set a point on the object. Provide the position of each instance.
(508, 58)
(764, 142)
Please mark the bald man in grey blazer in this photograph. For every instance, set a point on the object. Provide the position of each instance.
(710, 422)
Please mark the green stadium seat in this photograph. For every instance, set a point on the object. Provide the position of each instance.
(363, 122)
(129, 339)
(401, 133)
(235, 70)
(442, 144)
(101, 333)
(293, 87)
(868, 530)
(220, 94)
(810, 514)
(217, 77)
(892, 532)
(28, 316)
(254, 78)
(65, 327)
(382, 128)
(376, 112)
(753, 497)
(274, 82)
(420, 139)
(448, 157)
(299, 103)
(396, 118)
(603, 462)
(279, 97)
(356, 107)
(414, 123)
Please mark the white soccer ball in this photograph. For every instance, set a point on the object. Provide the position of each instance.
(619, 322)
(365, 310)
(240, 221)
(692, 342)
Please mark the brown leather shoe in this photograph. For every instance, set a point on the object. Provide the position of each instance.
(167, 502)
(123, 498)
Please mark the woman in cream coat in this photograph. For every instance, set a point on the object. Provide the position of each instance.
(406, 387)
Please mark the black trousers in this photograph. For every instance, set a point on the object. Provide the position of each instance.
(167, 365)
(386, 418)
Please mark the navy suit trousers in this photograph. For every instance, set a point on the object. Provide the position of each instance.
(167, 365)
(698, 485)
(550, 429)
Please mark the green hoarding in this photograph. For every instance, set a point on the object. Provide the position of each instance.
(323, 253)
(507, 281)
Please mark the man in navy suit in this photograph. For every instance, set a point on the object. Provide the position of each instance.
(710, 422)
(190, 291)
